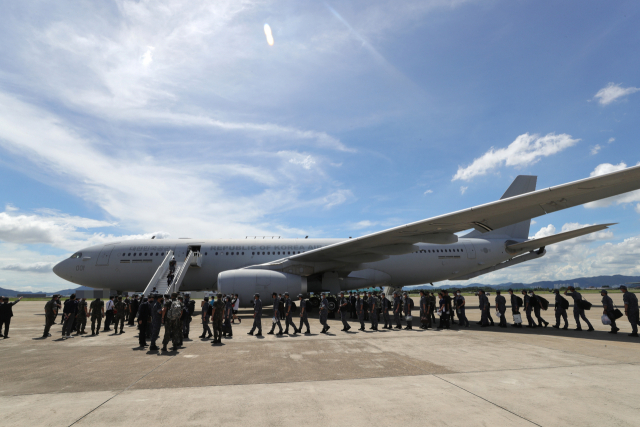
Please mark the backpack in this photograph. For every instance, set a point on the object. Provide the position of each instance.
(378, 303)
(175, 312)
(413, 304)
(564, 303)
(585, 305)
(519, 300)
(209, 309)
(192, 307)
(544, 303)
(294, 307)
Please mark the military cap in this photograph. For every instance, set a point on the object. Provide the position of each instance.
(257, 295)
(556, 291)
(144, 299)
(604, 292)
(510, 290)
(623, 287)
(286, 293)
(219, 295)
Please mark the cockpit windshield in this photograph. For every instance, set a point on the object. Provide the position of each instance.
(76, 255)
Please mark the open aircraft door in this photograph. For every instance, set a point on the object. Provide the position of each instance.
(105, 254)
(471, 250)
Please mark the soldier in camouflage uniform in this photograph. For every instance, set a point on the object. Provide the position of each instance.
(217, 314)
(120, 308)
(50, 312)
(96, 311)
(81, 317)
(171, 314)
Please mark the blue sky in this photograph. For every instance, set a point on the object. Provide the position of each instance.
(177, 118)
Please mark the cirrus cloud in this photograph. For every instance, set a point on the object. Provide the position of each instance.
(613, 91)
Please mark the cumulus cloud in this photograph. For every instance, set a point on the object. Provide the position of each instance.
(595, 149)
(306, 162)
(611, 140)
(38, 267)
(524, 151)
(605, 168)
(613, 91)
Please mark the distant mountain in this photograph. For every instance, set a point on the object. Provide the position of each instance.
(11, 293)
(582, 282)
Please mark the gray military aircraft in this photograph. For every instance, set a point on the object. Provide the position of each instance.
(421, 252)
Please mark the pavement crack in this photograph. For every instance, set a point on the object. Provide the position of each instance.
(488, 401)
(122, 391)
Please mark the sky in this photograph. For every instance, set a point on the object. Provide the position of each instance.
(127, 119)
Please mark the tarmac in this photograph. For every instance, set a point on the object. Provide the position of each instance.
(460, 377)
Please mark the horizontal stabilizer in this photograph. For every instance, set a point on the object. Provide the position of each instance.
(556, 238)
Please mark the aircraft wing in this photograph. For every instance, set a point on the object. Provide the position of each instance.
(484, 218)
(530, 245)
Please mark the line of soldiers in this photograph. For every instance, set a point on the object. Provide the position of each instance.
(175, 313)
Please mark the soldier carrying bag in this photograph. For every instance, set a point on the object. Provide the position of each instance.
(585, 305)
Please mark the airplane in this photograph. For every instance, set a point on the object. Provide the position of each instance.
(425, 251)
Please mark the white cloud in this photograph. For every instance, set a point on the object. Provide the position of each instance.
(463, 190)
(337, 198)
(547, 231)
(595, 149)
(612, 91)
(524, 151)
(147, 57)
(428, 192)
(306, 162)
(38, 267)
(631, 197)
(611, 140)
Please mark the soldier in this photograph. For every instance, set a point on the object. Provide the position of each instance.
(96, 311)
(365, 306)
(352, 306)
(452, 303)
(514, 308)
(385, 311)
(50, 311)
(257, 316)
(374, 304)
(303, 315)
(276, 315)
(134, 305)
(424, 310)
(406, 304)
(324, 312)
(396, 310)
(183, 319)
(69, 315)
(281, 306)
(607, 305)
(144, 312)
(432, 307)
(528, 307)
(461, 308)
(81, 317)
(442, 311)
(171, 314)
(108, 314)
(560, 309)
(119, 308)
(172, 265)
(6, 313)
(578, 311)
(360, 310)
(484, 308)
(537, 305)
(206, 313)
(156, 321)
(127, 303)
(501, 307)
(631, 309)
(217, 314)
(288, 319)
(343, 303)
(227, 329)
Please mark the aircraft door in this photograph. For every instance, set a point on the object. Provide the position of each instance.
(471, 250)
(105, 254)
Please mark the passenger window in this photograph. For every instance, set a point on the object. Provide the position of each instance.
(253, 253)
(129, 254)
(216, 253)
(204, 253)
(262, 253)
(242, 253)
(162, 254)
(227, 253)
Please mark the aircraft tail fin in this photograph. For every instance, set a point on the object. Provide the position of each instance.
(521, 185)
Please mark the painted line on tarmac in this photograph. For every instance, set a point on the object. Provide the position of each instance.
(488, 401)
(122, 391)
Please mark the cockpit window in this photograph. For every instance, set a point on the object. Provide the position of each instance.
(76, 255)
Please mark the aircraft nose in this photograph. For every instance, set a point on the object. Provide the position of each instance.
(58, 269)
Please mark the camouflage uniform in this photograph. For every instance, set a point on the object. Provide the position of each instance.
(216, 319)
(96, 314)
(172, 327)
(81, 317)
(120, 308)
(50, 312)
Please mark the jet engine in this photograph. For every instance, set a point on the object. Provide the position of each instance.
(246, 283)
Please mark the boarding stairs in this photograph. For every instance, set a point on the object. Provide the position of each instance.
(159, 279)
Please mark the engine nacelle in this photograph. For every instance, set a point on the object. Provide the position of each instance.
(246, 283)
